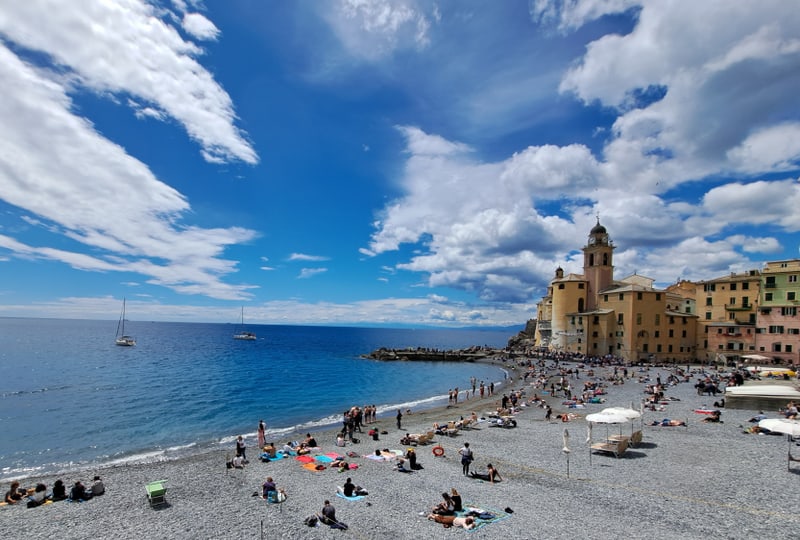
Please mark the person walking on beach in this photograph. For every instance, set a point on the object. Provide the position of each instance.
(262, 440)
(399, 419)
(466, 458)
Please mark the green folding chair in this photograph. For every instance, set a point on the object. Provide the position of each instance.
(156, 492)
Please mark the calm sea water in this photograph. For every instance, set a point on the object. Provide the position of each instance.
(69, 397)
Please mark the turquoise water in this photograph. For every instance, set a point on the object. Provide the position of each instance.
(69, 397)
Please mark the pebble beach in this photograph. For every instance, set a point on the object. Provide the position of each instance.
(703, 480)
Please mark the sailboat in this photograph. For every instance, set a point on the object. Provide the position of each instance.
(122, 339)
(242, 334)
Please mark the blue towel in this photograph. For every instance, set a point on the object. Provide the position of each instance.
(353, 498)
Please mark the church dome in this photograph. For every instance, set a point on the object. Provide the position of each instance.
(598, 229)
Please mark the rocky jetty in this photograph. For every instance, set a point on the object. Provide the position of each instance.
(433, 355)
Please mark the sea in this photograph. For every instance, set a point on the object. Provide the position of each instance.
(72, 399)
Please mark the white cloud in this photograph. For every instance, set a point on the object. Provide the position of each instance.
(200, 27)
(132, 52)
(87, 190)
(372, 29)
(307, 257)
(306, 273)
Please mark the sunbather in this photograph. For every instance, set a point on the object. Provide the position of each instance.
(453, 521)
(491, 474)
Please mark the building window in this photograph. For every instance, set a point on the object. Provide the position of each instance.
(708, 300)
(580, 285)
(792, 278)
(708, 315)
(672, 320)
(745, 286)
(669, 348)
(619, 318)
(560, 286)
(658, 348)
(605, 298)
(776, 347)
(770, 282)
(787, 348)
(683, 333)
(731, 316)
(638, 296)
(788, 311)
(745, 301)
(622, 296)
(658, 319)
(658, 297)
(672, 333)
(768, 297)
(733, 301)
(775, 329)
(733, 286)
(790, 295)
(638, 319)
(596, 319)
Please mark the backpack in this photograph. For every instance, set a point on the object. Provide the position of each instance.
(311, 521)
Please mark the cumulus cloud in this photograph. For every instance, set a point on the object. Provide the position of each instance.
(132, 53)
(200, 27)
(82, 189)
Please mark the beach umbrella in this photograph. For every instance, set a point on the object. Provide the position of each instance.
(779, 425)
(607, 418)
(628, 412)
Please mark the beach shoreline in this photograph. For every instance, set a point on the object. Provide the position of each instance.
(678, 483)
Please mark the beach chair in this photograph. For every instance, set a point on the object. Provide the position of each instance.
(617, 448)
(156, 492)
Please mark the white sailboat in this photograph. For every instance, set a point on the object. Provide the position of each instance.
(242, 334)
(122, 339)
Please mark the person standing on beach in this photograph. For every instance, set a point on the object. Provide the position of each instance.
(262, 440)
(399, 419)
(466, 458)
(240, 448)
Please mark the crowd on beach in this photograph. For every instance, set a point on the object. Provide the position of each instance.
(541, 391)
(39, 494)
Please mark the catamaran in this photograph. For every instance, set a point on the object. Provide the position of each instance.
(122, 339)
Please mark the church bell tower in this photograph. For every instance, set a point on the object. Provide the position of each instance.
(598, 268)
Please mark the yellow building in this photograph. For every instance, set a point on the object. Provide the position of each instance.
(596, 315)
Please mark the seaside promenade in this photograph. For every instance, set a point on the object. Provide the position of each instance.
(700, 481)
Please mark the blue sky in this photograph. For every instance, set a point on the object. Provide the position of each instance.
(373, 162)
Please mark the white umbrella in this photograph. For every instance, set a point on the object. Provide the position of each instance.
(779, 425)
(629, 413)
(607, 418)
(566, 449)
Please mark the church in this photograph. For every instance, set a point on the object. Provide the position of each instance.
(596, 315)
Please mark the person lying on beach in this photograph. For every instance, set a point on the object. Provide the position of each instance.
(668, 422)
(713, 417)
(491, 475)
(238, 462)
(453, 521)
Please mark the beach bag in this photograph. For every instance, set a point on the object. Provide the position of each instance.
(311, 521)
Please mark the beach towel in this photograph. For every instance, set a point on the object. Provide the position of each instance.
(316, 467)
(334, 456)
(323, 459)
(305, 459)
(353, 498)
(483, 515)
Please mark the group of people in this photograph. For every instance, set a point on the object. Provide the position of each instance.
(38, 495)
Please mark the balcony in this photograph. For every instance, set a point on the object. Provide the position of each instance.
(736, 307)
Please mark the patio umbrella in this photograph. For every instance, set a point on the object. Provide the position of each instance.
(607, 418)
(628, 412)
(566, 449)
(779, 425)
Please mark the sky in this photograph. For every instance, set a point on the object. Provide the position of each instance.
(385, 162)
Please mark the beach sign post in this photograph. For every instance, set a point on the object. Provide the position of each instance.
(566, 449)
